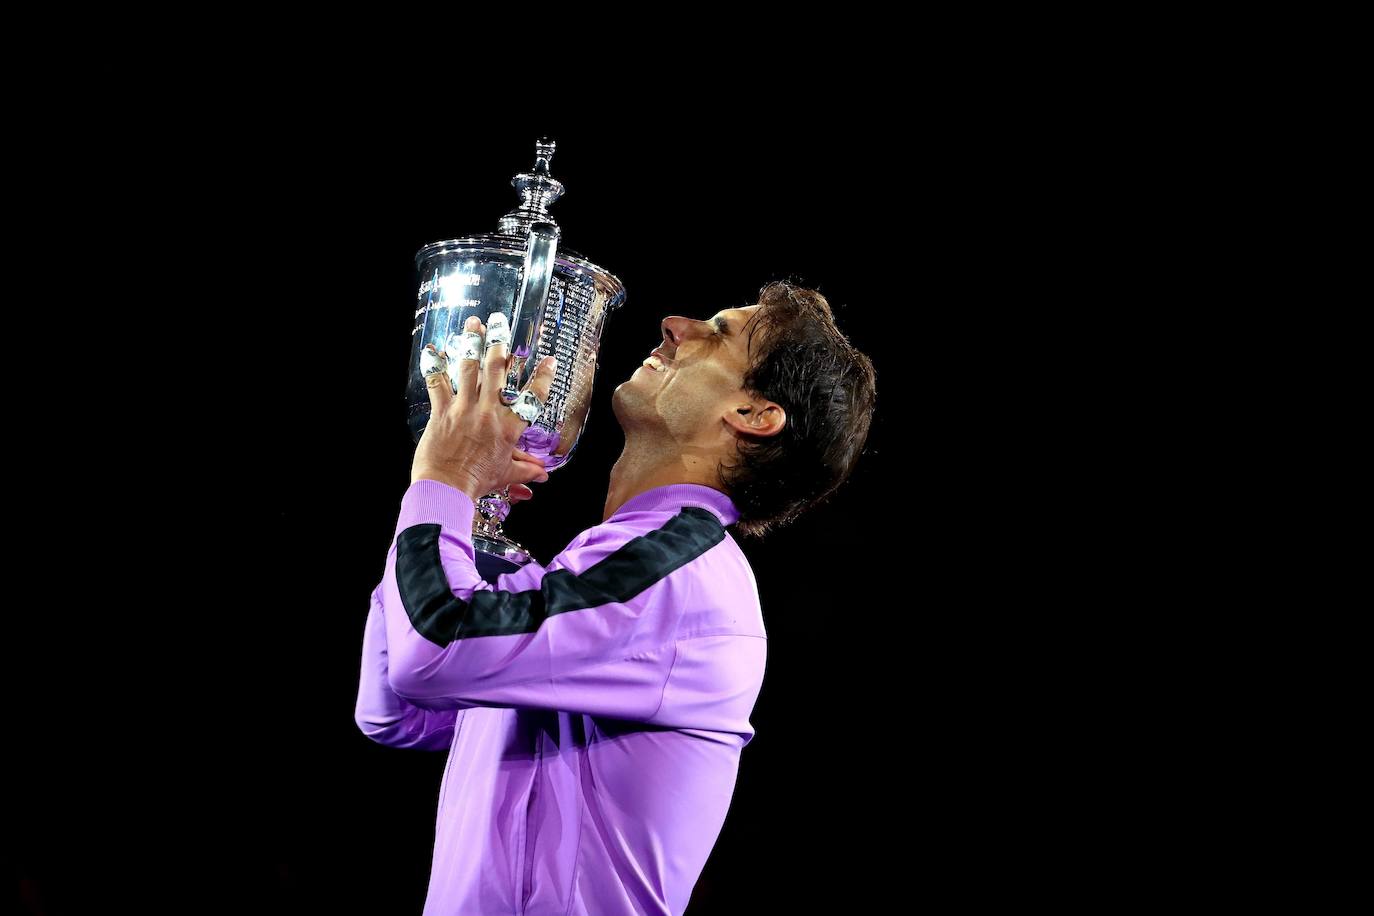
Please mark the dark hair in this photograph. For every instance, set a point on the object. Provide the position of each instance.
(806, 364)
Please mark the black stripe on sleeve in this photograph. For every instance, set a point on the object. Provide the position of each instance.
(440, 616)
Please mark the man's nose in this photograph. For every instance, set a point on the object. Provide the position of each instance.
(676, 329)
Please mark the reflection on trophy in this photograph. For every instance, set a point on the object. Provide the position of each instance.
(554, 301)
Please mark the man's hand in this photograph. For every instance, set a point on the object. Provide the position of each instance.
(469, 442)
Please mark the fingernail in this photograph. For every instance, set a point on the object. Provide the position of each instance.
(550, 362)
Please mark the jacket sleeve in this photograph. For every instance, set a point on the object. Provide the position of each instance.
(382, 715)
(593, 632)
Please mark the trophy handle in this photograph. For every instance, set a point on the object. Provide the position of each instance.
(527, 321)
(527, 315)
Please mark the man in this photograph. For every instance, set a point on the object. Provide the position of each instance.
(594, 709)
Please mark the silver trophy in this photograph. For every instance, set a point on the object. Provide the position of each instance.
(554, 300)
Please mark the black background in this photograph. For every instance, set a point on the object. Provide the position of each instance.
(202, 742)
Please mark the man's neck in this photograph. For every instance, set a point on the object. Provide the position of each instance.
(643, 466)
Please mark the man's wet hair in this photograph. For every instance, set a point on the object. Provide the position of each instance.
(801, 360)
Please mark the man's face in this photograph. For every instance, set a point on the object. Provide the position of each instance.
(697, 380)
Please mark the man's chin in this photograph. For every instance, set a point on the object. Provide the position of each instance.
(623, 400)
(627, 381)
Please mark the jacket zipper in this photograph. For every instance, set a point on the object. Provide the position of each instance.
(531, 812)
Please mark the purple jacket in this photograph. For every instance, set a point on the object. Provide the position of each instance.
(593, 709)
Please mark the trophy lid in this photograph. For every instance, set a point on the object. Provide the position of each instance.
(538, 189)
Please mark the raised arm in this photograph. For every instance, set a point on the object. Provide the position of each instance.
(593, 632)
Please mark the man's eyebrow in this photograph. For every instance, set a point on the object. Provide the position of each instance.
(721, 324)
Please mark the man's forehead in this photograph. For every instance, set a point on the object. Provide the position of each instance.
(738, 317)
(739, 323)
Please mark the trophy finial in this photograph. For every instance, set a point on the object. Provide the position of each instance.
(543, 155)
(538, 189)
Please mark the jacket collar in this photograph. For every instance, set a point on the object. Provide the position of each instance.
(677, 495)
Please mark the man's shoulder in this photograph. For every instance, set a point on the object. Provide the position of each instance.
(683, 556)
(653, 545)
(686, 528)
(720, 593)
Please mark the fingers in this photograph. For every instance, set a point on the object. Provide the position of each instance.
(524, 463)
(518, 492)
(529, 406)
(526, 472)
(498, 359)
(437, 380)
(541, 383)
(526, 456)
(468, 358)
(484, 361)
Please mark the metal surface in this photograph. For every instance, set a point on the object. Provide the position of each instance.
(555, 300)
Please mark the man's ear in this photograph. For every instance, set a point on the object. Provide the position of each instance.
(757, 418)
